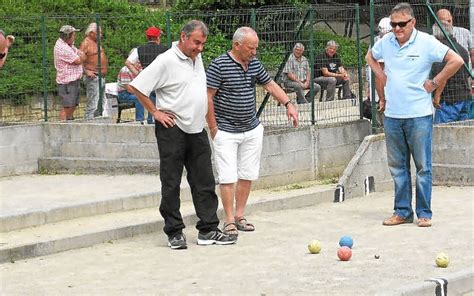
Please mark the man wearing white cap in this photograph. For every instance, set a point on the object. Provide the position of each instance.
(68, 63)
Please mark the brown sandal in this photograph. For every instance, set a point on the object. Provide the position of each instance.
(244, 225)
(230, 229)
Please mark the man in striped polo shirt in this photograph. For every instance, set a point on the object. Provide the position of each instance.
(235, 129)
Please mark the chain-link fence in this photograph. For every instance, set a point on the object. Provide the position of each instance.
(28, 89)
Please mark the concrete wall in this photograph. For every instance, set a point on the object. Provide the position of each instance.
(20, 148)
(453, 154)
(109, 141)
(453, 160)
(289, 155)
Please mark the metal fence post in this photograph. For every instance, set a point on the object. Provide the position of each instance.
(253, 19)
(372, 76)
(99, 65)
(311, 62)
(45, 67)
(359, 61)
(168, 29)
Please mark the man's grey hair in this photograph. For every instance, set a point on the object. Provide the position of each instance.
(331, 43)
(404, 8)
(2, 33)
(91, 28)
(447, 27)
(241, 33)
(298, 46)
(194, 25)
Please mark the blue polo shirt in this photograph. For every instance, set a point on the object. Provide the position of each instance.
(407, 68)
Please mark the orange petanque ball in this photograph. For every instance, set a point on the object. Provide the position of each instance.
(344, 253)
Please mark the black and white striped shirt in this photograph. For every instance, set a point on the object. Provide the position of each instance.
(234, 102)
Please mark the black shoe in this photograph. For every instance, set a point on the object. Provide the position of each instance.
(177, 242)
(215, 237)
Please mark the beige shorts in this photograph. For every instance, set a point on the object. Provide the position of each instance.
(237, 155)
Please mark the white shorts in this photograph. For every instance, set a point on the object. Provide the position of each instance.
(237, 155)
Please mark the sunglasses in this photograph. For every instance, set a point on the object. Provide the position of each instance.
(400, 24)
(2, 55)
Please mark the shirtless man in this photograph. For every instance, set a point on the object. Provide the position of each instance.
(5, 43)
(91, 69)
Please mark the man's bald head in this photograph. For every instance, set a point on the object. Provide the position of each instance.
(445, 16)
(3, 42)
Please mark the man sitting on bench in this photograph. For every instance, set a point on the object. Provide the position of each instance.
(329, 72)
(297, 76)
(124, 96)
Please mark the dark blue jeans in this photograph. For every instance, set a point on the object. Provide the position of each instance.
(453, 112)
(178, 149)
(405, 138)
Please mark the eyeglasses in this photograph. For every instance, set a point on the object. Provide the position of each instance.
(400, 24)
(2, 55)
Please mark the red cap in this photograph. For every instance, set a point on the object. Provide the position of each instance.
(153, 32)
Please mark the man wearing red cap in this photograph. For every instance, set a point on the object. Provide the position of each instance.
(146, 54)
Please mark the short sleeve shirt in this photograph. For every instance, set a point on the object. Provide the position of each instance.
(407, 68)
(324, 61)
(180, 86)
(64, 57)
(297, 67)
(234, 102)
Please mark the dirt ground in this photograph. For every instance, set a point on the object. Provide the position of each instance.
(273, 260)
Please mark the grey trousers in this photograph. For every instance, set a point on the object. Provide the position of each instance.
(300, 97)
(329, 83)
(92, 90)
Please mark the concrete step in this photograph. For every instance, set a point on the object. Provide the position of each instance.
(94, 165)
(51, 199)
(87, 231)
(453, 174)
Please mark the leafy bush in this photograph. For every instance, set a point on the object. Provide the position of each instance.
(123, 26)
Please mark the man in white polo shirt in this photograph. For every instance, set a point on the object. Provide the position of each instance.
(178, 78)
(405, 94)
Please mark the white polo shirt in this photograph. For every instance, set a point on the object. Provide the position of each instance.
(180, 86)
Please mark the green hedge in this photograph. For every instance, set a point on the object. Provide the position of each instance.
(123, 27)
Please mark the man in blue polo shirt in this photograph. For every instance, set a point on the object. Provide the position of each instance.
(235, 129)
(405, 94)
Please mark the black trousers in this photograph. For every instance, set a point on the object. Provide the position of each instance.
(178, 149)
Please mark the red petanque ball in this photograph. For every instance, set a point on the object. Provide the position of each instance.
(344, 253)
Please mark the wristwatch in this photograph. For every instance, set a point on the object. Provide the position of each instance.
(434, 83)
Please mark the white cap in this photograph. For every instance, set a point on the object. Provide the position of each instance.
(384, 25)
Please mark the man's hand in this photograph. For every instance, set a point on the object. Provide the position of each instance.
(166, 119)
(90, 74)
(213, 132)
(429, 86)
(381, 107)
(292, 114)
(436, 103)
(306, 84)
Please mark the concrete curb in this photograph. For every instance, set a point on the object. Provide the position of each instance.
(56, 245)
(95, 165)
(458, 283)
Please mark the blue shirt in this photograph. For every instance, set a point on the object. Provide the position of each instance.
(407, 68)
(234, 102)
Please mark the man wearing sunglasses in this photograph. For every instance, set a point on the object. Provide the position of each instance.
(405, 94)
(5, 43)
